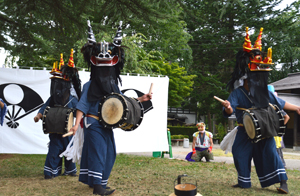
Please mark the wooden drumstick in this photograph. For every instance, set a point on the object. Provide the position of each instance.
(68, 134)
(217, 98)
(150, 90)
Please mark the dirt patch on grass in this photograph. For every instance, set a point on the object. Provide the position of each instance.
(6, 156)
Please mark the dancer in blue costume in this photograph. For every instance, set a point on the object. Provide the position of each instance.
(99, 151)
(249, 90)
(3, 110)
(65, 91)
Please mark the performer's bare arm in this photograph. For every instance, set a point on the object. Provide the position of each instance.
(38, 117)
(145, 97)
(289, 106)
(79, 115)
(286, 118)
(227, 106)
(1, 104)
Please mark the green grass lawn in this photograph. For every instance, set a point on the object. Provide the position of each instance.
(132, 175)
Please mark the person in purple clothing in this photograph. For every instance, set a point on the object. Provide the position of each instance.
(65, 91)
(99, 152)
(202, 143)
(249, 90)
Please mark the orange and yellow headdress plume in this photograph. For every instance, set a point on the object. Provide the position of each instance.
(257, 44)
(71, 60)
(247, 44)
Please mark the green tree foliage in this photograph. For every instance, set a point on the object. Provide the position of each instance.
(38, 31)
(180, 83)
(139, 61)
(158, 20)
(287, 46)
(218, 30)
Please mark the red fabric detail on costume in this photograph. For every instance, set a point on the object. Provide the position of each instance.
(210, 148)
(81, 123)
(194, 151)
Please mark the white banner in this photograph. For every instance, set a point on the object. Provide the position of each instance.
(25, 91)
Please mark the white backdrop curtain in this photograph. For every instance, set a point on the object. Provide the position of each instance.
(25, 91)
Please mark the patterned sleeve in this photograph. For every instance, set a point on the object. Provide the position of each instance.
(194, 134)
(211, 135)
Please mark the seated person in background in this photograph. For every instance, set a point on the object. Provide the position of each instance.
(202, 143)
(3, 110)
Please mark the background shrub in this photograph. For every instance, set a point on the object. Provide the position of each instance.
(186, 132)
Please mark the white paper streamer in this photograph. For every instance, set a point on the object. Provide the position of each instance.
(74, 149)
(227, 142)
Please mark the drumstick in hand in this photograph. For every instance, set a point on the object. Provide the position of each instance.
(68, 134)
(217, 98)
(150, 90)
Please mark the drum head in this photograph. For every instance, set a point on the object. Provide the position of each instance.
(249, 125)
(112, 111)
(70, 121)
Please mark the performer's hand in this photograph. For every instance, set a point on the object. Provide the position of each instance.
(194, 153)
(226, 104)
(74, 129)
(79, 115)
(298, 111)
(1, 104)
(209, 149)
(37, 117)
(145, 97)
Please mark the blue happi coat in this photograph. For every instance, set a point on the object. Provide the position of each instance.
(2, 112)
(268, 165)
(99, 151)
